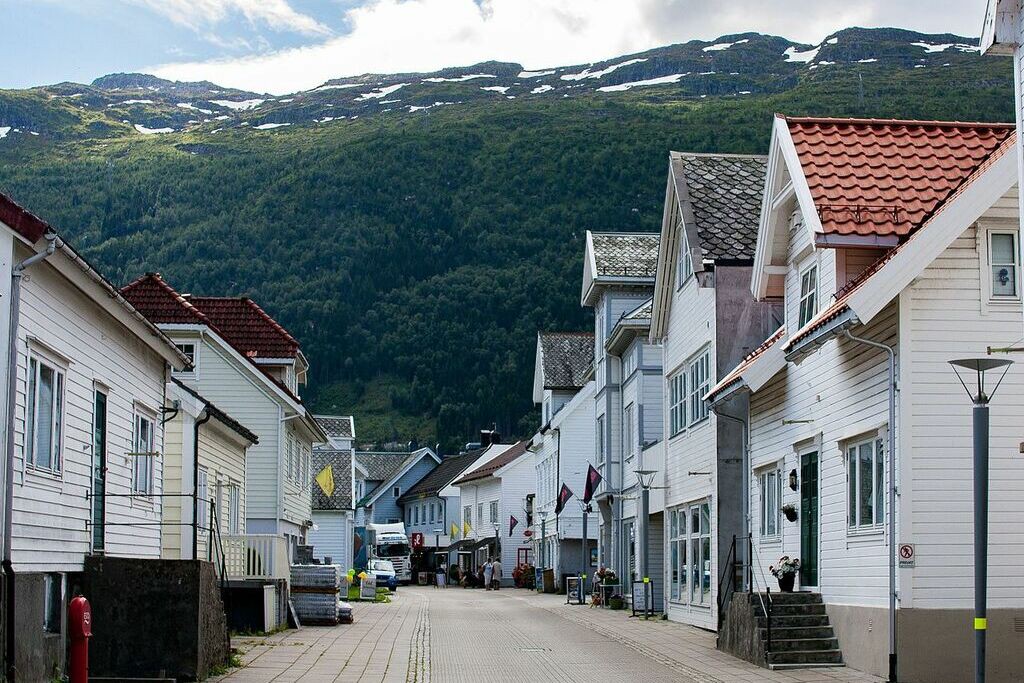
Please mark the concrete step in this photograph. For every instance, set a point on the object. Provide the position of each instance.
(803, 644)
(791, 598)
(804, 657)
(797, 632)
(786, 610)
(794, 620)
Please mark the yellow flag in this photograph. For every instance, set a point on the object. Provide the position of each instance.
(455, 529)
(466, 528)
(325, 478)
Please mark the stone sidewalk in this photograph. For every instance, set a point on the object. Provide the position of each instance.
(477, 636)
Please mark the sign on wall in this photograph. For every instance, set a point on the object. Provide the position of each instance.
(907, 555)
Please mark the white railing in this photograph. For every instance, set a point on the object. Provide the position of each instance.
(256, 556)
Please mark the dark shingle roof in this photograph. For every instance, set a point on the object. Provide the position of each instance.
(382, 465)
(339, 426)
(641, 313)
(442, 475)
(566, 357)
(341, 463)
(621, 254)
(724, 192)
(492, 466)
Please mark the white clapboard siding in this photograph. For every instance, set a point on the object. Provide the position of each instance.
(332, 536)
(51, 513)
(517, 481)
(948, 316)
(170, 532)
(298, 495)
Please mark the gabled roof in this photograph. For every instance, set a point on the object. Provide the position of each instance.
(736, 377)
(722, 193)
(390, 469)
(21, 220)
(565, 358)
(886, 177)
(442, 475)
(337, 426)
(341, 465)
(489, 468)
(247, 326)
(618, 258)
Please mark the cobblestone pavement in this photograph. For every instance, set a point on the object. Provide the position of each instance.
(475, 636)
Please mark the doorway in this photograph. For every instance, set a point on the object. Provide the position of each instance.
(809, 520)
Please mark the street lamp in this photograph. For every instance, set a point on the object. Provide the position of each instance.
(980, 399)
(497, 541)
(646, 479)
(437, 546)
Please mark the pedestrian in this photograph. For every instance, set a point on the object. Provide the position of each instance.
(442, 575)
(488, 573)
(496, 571)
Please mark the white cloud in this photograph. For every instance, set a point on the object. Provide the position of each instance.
(391, 36)
(202, 15)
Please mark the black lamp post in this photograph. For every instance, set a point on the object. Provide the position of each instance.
(980, 398)
(646, 479)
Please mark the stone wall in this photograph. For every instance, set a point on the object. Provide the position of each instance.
(38, 655)
(739, 636)
(154, 618)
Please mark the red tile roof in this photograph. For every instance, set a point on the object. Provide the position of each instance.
(20, 220)
(736, 373)
(159, 302)
(886, 177)
(492, 466)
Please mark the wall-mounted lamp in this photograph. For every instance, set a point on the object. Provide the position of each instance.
(794, 483)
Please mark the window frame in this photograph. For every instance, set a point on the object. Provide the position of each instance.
(700, 385)
(602, 454)
(234, 509)
(684, 260)
(990, 265)
(52, 582)
(677, 395)
(203, 495)
(138, 458)
(493, 511)
(194, 357)
(58, 417)
(467, 515)
(811, 293)
(854, 491)
(628, 432)
(769, 479)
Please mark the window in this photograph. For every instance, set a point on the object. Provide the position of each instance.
(628, 439)
(547, 410)
(630, 362)
(808, 294)
(290, 457)
(494, 511)
(700, 554)
(771, 495)
(307, 454)
(189, 351)
(467, 515)
(397, 491)
(416, 515)
(431, 513)
(53, 602)
(234, 509)
(599, 439)
(700, 385)
(866, 484)
(408, 516)
(684, 266)
(44, 415)
(142, 466)
(480, 513)
(677, 551)
(1003, 256)
(677, 402)
(203, 496)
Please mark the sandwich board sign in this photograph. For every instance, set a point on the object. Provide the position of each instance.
(368, 587)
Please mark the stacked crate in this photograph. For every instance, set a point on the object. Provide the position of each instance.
(314, 589)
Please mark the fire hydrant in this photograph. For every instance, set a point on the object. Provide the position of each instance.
(80, 630)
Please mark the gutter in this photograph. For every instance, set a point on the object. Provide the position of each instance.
(52, 243)
(812, 342)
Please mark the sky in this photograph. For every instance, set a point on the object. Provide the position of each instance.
(282, 46)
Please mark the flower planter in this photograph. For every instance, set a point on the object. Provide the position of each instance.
(790, 513)
(616, 603)
(786, 583)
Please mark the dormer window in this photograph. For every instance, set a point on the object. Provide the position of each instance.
(684, 267)
(808, 294)
(189, 351)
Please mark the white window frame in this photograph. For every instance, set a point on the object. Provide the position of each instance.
(58, 417)
(203, 503)
(684, 263)
(599, 438)
(628, 431)
(143, 465)
(53, 591)
(769, 486)
(234, 509)
(811, 294)
(182, 345)
(700, 557)
(678, 552)
(467, 515)
(990, 266)
(677, 401)
(700, 385)
(854, 489)
(480, 513)
(415, 515)
(493, 511)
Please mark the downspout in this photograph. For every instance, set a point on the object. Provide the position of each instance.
(195, 482)
(891, 350)
(558, 485)
(52, 243)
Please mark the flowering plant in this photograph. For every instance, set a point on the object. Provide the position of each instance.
(605, 575)
(787, 566)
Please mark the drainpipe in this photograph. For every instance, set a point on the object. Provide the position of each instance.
(558, 479)
(195, 482)
(891, 350)
(745, 498)
(52, 243)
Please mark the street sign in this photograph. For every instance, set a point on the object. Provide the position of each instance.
(907, 555)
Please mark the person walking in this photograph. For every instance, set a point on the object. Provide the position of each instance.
(442, 575)
(496, 572)
(488, 573)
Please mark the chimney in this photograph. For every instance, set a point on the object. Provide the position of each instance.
(489, 437)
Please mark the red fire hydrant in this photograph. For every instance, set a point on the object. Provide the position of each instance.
(80, 630)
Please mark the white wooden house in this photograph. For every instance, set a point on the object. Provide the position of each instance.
(902, 234)
(705, 321)
(490, 494)
(564, 448)
(83, 419)
(332, 535)
(618, 278)
(250, 367)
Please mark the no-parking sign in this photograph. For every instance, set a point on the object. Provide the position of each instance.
(907, 555)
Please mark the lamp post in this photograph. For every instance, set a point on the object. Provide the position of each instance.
(437, 546)
(646, 479)
(497, 541)
(980, 399)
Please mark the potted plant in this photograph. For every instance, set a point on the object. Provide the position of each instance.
(789, 510)
(616, 602)
(785, 572)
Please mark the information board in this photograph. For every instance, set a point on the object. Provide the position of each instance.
(643, 597)
(368, 587)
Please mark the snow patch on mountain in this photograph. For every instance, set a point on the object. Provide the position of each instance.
(270, 126)
(152, 131)
(496, 88)
(4, 130)
(457, 79)
(724, 46)
(587, 73)
(661, 80)
(116, 104)
(189, 105)
(238, 105)
(942, 47)
(541, 88)
(380, 93)
(535, 74)
(794, 55)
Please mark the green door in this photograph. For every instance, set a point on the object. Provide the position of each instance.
(809, 519)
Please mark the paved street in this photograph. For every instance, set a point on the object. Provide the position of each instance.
(474, 636)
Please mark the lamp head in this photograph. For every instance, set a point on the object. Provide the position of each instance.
(978, 367)
(646, 478)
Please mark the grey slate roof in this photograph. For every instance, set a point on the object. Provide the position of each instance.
(382, 465)
(341, 463)
(641, 313)
(566, 358)
(338, 426)
(442, 475)
(724, 194)
(626, 254)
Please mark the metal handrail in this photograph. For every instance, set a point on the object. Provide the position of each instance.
(766, 600)
(215, 537)
(727, 582)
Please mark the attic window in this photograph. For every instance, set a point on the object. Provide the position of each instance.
(684, 268)
(808, 294)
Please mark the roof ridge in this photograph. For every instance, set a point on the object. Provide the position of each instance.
(924, 123)
(718, 155)
(278, 327)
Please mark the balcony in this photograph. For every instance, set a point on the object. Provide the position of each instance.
(255, 557)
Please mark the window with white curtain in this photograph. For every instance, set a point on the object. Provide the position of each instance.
(865, 471)
(203, 501)
(234, 509)
(143, 457)
(771, 497)
(44, 416)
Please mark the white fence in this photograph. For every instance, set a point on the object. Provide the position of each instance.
(256, 556)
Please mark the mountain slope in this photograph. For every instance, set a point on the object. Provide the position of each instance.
(416, 252)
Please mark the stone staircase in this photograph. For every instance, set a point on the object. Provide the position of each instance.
(802, 636)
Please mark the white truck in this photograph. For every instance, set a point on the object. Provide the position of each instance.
(389, 542)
